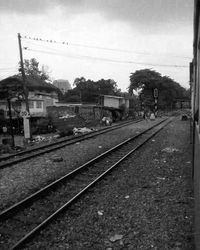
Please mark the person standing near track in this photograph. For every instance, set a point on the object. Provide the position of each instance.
(152, 116)
(145, 115)
(5, 130)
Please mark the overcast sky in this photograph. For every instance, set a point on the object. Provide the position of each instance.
(103, 38)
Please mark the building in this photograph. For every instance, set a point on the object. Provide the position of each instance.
(183, 103)
(114, 101)
(116, 107)
(63, 85)
(40, 95)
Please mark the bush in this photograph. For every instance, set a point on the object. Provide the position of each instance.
(42, 126)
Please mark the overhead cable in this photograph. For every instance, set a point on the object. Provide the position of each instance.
(105, 59)
(99, 48)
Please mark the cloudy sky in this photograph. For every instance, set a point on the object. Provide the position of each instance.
(98, 38)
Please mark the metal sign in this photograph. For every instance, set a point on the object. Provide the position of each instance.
(24, 114)
(155, 93)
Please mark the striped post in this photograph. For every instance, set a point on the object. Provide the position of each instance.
(155, 93)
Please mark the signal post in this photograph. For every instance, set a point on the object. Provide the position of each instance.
(155, 94)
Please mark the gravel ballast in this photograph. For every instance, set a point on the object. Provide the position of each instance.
(17, 181)
(146, 203)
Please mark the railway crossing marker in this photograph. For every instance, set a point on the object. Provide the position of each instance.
(26, 115)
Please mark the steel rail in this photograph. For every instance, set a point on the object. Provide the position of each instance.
(63, 140)
(14, 208)
(56, 145)
(55, 214)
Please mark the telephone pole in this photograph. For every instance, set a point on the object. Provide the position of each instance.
(26, 118)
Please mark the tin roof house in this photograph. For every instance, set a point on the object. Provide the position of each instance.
(41, 94)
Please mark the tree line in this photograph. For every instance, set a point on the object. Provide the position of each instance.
(169, 91)
(143, 82)
(88, 91)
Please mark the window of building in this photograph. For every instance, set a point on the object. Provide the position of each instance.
(31, 104)
(38, 104)
(76, 109)
(12, 113)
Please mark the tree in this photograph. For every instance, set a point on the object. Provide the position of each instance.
(31, 68)
(107, 87)
(145, 81)
(89, 90)
(79, 82)
(145, 78)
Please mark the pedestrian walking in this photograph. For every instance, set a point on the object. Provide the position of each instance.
(5, 130)
(145, 116)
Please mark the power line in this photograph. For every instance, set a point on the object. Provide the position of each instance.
(8, 68)
(100, 48)
(106, 59)
(7, 74)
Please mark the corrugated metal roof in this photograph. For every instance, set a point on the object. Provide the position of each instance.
(113, 96)
(32, 83)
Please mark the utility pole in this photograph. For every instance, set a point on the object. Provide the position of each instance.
(26, 118)
(11, 124)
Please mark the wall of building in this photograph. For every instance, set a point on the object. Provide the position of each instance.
(38, 102)
(87, 113)
(67, 117)
(4, 107)
(115, 101)
(182, 104)
(111, 102)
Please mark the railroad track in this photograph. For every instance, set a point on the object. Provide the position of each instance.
(37, 151)
(36, 211)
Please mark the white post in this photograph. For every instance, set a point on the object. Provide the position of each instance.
(26, 116)
(26, 128)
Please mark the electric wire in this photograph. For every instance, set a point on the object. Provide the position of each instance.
(102, 48)
(9, 68)
(77, 56)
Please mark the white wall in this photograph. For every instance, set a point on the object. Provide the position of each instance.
(111, 102)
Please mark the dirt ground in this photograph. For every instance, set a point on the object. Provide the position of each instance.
(147, 203)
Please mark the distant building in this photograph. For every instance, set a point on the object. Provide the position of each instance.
(63, 85)
(184, 103)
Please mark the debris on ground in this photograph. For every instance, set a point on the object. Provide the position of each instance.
(170, 150)
(100, 212)
(5, 148)
(83, 130)
(56, 136)
(161, 178)
(67, 116)
(57, 159)
(184, 118)
(39, 138)
(107, 120)
(116, 237)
